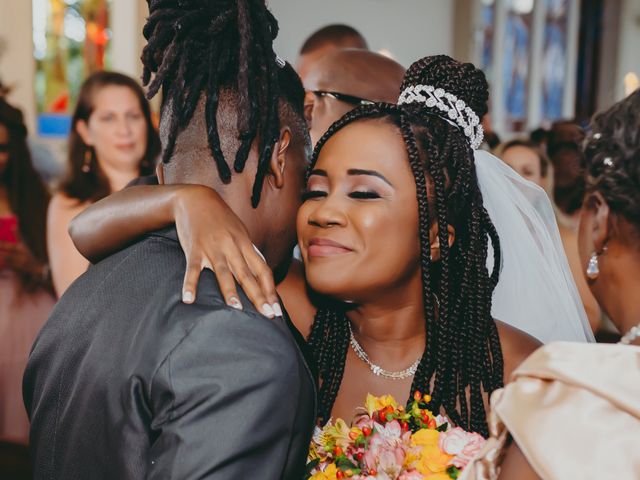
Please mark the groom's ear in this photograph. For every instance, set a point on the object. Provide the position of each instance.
(278, 163)
(160, 173)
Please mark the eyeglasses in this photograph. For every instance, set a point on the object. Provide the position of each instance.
(343, 97)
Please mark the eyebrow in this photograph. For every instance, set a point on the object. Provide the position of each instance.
(372, 173)
(354, 172)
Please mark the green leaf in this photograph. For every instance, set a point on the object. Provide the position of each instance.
(443, 428)
(453, 472)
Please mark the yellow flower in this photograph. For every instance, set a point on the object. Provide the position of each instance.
(433, 460)
(373, 404)
(424, 437)
(412, 458)
(437, 476)
(330, 473)
(339, 433)
(313, 452)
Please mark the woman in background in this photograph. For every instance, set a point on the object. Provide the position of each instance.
(573, 410)
(112, 142)
(530, 162)
(526, 159)
(25, 289)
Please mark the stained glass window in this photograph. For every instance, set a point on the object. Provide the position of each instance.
(485, 38)
(517, 48)
(554, 63)
(71, 40)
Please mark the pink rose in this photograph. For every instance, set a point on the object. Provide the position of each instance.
(462, 445)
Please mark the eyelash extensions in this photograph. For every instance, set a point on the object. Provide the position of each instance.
(310, 195)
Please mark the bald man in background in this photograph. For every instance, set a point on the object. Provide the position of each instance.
(326, 40)
(344, 79)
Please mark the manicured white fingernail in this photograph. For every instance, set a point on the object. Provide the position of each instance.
(267, 310)
(277, 309)
(235, 303)
(187, 297)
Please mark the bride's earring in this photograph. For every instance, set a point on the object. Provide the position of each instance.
(593, 268)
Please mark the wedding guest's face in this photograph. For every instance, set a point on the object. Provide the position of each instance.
(526, 162)
(117, 128)
(358, 228)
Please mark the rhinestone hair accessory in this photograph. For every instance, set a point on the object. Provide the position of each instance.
(451, 108)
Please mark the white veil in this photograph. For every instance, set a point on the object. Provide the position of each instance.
(536, 292)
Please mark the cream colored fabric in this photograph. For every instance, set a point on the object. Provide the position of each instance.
(574, 411)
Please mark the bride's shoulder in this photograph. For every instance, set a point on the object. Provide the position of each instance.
(516, 347)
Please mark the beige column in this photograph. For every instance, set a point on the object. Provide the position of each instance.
(17, 66)
(127, 19)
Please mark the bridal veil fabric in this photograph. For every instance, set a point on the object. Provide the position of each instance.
(536, 292)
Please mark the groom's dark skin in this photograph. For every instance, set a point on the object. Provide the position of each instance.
(106, 226)
(270, 224)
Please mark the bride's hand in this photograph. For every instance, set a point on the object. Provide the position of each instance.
(213, 237)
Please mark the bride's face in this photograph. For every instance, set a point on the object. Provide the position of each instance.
(358, 227)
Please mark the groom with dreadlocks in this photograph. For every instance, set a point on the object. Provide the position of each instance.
(127, 381)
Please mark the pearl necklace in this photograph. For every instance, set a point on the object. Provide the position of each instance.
(376, 369)
(631, 335)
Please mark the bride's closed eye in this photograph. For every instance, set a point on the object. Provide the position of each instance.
(365, 195)
(311, 194)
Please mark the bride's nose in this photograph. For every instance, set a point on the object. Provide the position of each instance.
(327, 212)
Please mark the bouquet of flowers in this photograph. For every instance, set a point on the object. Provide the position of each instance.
(389, 442)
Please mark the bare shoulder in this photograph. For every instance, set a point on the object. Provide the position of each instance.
(63, 206)
(516, 347)
(295, 296)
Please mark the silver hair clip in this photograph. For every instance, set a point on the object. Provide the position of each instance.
(449, 107)
(280, 62)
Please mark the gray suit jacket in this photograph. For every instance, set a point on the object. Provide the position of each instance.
(126, 382)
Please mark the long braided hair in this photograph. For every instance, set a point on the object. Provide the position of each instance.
(197, 46)
(462, 357)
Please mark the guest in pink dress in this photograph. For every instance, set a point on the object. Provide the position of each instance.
(25, 289)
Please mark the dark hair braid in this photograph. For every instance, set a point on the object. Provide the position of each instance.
(463, 358)
(201, 46)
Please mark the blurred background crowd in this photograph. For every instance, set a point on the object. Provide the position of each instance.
(75, 125)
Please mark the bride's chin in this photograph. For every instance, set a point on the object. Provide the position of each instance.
(330, 287)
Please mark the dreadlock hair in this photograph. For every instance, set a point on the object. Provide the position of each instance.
(463, 356)
(198, 47)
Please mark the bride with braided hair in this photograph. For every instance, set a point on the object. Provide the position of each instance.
(401, 252)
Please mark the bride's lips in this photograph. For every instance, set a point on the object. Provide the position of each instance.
(323, 247)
